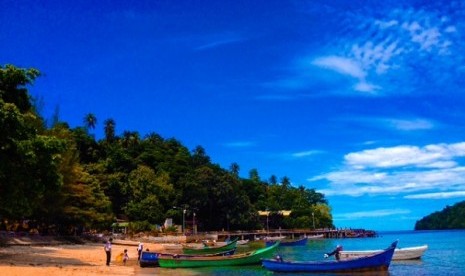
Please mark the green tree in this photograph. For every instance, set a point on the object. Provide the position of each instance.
(80, 203)
(13, 82)
(90, 121)
(146, 189)
(110, 130)
(234, 169)
(29, 160)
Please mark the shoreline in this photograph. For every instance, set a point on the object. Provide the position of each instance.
(69, 259)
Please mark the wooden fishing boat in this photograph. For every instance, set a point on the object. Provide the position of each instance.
(376, 262)
(210, 249)
(285, 242)
(400, 254)
(249, 258)
(316, 237)
(149, 258)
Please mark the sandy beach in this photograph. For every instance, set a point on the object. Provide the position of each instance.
(64, 260)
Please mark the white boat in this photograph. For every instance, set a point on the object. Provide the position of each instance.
(278, 238)
(316, 237)
(406, 253)
(242, 242)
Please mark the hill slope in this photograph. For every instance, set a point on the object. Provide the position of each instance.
(451, 217)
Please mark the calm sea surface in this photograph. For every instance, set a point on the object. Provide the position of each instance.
(445, 255)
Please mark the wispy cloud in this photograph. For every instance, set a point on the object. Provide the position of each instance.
(348, 67)
(408, 125)
(341, 65)
(371, 214)
(239, 144)
(440, 195)
(398, 170)
(218, 43)
(398, 42)
(403, 124)
(305, 153)
(405, 156)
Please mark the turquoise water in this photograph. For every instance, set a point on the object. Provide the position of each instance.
(445, 255)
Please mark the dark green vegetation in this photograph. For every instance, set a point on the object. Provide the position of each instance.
(62, 179)
(449, 218)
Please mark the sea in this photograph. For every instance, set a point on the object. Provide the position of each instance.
(445, 255)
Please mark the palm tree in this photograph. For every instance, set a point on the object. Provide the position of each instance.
(90, 121)
(109, 130)
(130, 139)
(234, 168)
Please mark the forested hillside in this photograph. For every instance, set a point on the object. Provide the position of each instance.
(61, 179)
(451, 217)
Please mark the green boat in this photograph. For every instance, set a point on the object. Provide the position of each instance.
(210, 249)
(249, 258)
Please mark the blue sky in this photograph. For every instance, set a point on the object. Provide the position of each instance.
(361, 100)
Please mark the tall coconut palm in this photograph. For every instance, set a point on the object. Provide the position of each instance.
(109, 129)
(234, 168)
(90, 121)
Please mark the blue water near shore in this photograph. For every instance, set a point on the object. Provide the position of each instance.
(445, 255)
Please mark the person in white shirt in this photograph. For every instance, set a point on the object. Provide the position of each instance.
(107, 248)
(140, 248)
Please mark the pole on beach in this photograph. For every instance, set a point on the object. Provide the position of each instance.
(313, 217)
(184, 221)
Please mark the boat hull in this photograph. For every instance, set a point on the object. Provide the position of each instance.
(400, 254)
(210, 250)
(300, 242)
(250, 258)
(377, 262)
(149, 258)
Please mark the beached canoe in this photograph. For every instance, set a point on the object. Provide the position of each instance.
(249, 258)
(285, 242)
(210, 249)
(400, 254)
(149, 258)
(376, 262)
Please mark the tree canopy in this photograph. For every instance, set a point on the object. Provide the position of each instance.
(451, 217)
(141, 179)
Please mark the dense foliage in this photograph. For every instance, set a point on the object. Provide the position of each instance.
(63, 179)
(451, 217)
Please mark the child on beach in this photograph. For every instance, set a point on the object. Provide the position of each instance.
(125, 256)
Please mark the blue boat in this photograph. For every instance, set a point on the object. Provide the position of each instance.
(299, 242)
(149, 258)
(377, 262)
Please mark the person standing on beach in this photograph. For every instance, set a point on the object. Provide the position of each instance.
(140, 248)
(107, 248)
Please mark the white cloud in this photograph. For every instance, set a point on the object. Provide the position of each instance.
(415, 124)
(440, 195)
(398, 170)
(363, 86)
(239, 144)
(389, 44)
(305, 153)
(341, 65)
(371, 214)
(405, 156)
(386, 24)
